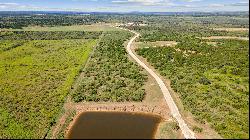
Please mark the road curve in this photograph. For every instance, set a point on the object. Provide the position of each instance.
(188, 134)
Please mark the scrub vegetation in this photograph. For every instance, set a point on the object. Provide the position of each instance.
(211, 76)
(213, 81)
(41, 56)
(110, 75)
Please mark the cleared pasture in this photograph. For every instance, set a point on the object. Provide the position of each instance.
(92, 27)
(35, 77)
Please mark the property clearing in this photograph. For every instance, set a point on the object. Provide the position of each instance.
(92, 27)
(158, 43)
(232, 29)
(226, 37)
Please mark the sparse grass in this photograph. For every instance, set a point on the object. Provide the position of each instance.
(197, 129)
(62, 132)
(168, 130)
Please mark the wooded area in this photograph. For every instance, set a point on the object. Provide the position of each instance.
(110, 75)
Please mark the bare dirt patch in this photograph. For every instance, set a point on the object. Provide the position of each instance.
(212, 43)
(158, 43)
(68, 108)
(226, 37)
(231, 29)
(164, 43)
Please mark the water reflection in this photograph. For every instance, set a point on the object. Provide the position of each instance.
(114, 125)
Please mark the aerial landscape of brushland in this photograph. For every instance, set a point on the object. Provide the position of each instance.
(211, 75)
(110, 75)
(50, 57)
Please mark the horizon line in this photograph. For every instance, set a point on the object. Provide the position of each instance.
(116, 11)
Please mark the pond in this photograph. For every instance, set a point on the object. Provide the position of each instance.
(114, 125)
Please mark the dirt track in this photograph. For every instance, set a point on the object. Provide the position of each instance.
(171, 104)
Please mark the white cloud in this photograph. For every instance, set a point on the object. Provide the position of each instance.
(231, 4)
(242, 3)
(8, 5)
(17, 6)
(84, 0)
(2, 6)
(144, 2)
(189, 6)
(192, 0)
(216, 5)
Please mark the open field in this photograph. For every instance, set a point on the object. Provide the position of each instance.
(35, 77)
(213, 86)
(179, 28)
(232, 29)
(48, 35)
(92, 27)
(172, 34)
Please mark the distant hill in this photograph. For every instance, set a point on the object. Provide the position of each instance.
(222, 13)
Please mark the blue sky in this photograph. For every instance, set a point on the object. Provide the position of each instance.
(125, 5)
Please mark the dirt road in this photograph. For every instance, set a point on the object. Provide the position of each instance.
(188, 134)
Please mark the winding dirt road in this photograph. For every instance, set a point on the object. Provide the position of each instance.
(188, 134)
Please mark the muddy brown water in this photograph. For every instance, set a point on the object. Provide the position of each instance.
(114, 125)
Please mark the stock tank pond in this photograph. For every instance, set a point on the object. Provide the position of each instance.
(114, 125)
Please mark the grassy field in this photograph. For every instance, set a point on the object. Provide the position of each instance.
(213, 81)
(48, 35)
(35, 77)
(92, 27)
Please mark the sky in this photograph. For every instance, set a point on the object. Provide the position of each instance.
(125, 5)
